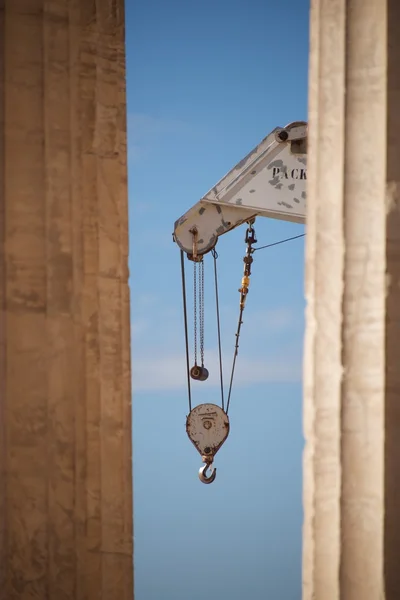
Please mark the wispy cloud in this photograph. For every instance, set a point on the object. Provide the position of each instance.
(147, 132)
(166, 372)
(276, 320)
(159, 363)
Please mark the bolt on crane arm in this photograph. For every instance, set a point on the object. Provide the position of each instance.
(270, 181)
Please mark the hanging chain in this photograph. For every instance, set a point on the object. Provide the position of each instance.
(195, 310)
(198, 303)
(201, 310)
(185, 321)
(250, 239)
(198, 309)
(198, 286)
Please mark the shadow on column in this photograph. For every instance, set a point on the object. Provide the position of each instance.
(392, 346)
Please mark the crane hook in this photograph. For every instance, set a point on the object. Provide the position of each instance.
(204, 478)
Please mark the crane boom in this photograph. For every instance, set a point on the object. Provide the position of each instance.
(270, 181)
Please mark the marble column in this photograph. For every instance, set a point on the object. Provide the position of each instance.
(352, 348)
(65, 390)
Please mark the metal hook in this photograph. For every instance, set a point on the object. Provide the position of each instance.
(205, 478)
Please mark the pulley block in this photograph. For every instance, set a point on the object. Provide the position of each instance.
(207, 427)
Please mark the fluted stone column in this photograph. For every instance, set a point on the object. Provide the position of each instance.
(65, 399)
(352, 351)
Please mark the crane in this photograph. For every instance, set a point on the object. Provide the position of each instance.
(269, 182)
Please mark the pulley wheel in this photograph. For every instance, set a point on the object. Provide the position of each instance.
(198, 373)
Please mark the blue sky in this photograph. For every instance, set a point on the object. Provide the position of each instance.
(206, 82)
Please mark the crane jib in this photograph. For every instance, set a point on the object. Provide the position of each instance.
(271, 182)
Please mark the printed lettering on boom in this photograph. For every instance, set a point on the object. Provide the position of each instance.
(291, 174)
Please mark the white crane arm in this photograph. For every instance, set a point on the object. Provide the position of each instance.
(270, 181)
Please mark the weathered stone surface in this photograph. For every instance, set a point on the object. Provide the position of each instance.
(65, 393)
(352, 349)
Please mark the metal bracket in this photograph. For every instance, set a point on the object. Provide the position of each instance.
(285, 134)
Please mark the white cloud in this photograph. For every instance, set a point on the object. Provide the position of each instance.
(166, 372)
(159, 363)
(168, 322)
(276, 320)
